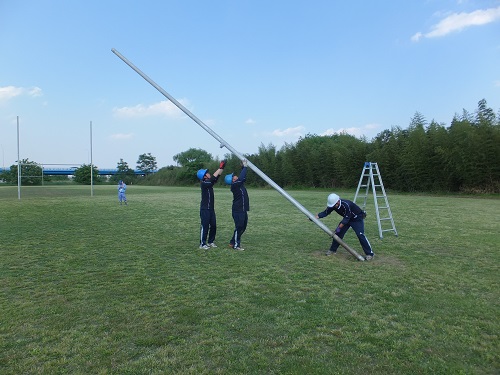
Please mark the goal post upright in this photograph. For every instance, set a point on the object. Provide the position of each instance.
(91, 165)
(18, 164)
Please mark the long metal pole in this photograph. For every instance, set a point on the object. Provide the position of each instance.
(91, 165)
(18, 164)
(223, 143)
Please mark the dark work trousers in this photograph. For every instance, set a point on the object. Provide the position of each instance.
(359, 227)
(208, 226)
(240, 225)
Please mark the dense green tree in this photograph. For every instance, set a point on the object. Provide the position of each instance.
(484, 114)
(170, 175)
(31, 173)
(438, 164)
(147, 163)
(191, 161)
(290, 167)
(385, 152)
(415, 155)
(124, 173)
(424, 157)
(83, 174)
(265, 160)
(487, 140)
(194, 158)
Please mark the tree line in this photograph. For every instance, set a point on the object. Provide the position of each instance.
(32, 173)
(425, 157)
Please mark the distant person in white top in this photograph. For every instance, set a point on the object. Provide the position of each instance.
(122, 188)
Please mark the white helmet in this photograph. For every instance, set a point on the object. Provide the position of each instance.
(332, 200)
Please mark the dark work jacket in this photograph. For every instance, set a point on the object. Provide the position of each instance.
(240, 195)
(349, 210)
(207, 193)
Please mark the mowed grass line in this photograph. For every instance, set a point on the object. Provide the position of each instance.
(88, 286)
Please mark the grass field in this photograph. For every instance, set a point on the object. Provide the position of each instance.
(91, 287)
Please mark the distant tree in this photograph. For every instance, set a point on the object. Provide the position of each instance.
(414, 159)
(438, 161)
(288, 155)
(147, 163)
(266, 160)
(484, 115)
(124, 173)
(425, 156)
(83, 176)
(192, 160)
(3, 174)
(193, 157)
(31, 173)
(485, 138)
(387, 151)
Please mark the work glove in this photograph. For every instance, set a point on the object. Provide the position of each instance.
(244, 162)
(222, 164)
(337, 231)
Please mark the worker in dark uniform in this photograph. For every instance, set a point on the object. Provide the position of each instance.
(353, 216)
(240, 205)
(207, 206)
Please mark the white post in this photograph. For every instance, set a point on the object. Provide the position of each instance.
(241, 157)
(18, 164)
(91, 165)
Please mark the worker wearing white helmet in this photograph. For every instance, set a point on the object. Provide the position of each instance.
(353, 216)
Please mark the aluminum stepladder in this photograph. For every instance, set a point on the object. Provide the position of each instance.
(370, 174)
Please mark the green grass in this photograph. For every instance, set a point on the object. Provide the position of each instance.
(91, 287)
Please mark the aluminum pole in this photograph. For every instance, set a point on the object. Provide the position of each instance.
(91, 165)
(18, 164)
(223, 143)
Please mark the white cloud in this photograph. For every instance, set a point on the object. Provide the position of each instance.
(250, 121)
(357, 132)
(9, 92)
(163, 108)
(35, 91)
(278, 136)
(121, 136)
(459, 21)
(417, 37)
(497, 83)
(289, 132)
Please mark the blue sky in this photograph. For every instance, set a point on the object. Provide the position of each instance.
(256, 72)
